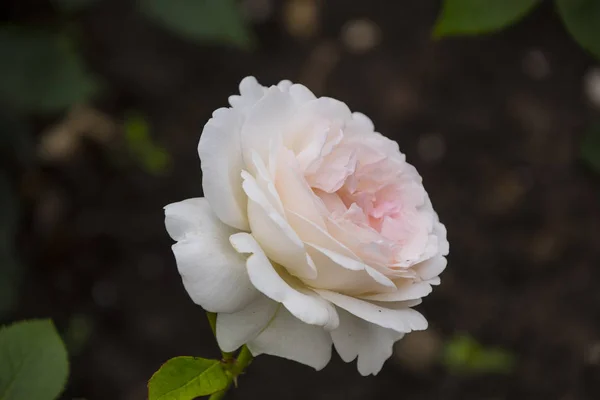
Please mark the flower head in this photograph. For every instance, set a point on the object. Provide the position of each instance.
(313, 230)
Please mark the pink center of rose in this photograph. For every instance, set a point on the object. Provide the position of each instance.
(371, 195)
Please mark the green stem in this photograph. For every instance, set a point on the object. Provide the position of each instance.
(235, 366)
(244, 359)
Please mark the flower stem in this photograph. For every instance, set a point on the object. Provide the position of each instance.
(238, 367)
(235, 366)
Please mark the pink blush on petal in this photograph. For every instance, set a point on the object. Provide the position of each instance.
(378, 199)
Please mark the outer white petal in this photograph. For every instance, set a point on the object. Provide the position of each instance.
(306, 306)
(222, 163)
(434, 281)
(250, 93)
(402, 320)
(363, 121)
(290, 338)
(213, 273)
(277, 238)
(267, 119)
(238, 328)
(405, 292)
(431, 268)
(333, 113)
(187, 217)
(301, 94)
(285, 85)
(440, 230)
(324, 107)
(372, 344)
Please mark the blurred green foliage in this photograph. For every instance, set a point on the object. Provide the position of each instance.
(590, 147)
(33, 361)
(216, 21)
(78, 333)
(582, 19)
(16, 149)
(464, 355)
(73, 5)
(41, 72)
(16, 143)
(469, 17)
(472, 17)
(153, 158)
(10, 273)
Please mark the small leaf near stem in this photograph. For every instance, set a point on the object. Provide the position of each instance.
(236, 369)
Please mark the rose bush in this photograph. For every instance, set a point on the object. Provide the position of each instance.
(314, 230)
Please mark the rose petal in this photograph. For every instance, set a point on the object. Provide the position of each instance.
(364, 122)
(213, 273)
(238, 328)
(308, 231)
(372, 344)
(277, 238)
(440, 231)
(284, 85)
(402, 320)
(405, 292)
(332, 276)
(250, 93)
(341, 260)
(305, 306)
(187, 217)
(264, 180)
(267, 119)
(431, 268)
(354, 265)
(295, 193)
(301, 94)
(434, 281)
(290, 338)
(221, 163)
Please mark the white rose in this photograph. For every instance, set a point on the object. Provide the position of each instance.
(313, 230)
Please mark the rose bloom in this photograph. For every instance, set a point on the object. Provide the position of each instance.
(314, 230)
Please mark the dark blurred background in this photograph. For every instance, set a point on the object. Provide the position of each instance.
(101, 107)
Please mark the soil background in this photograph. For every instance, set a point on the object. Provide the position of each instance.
(493, 124)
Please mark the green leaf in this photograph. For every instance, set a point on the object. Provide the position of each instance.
(216, 21)
(41, 72)
(590, 147)
(582, 19)
(185, 378)
(33, 361)
(153, 158)
(471, 17)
